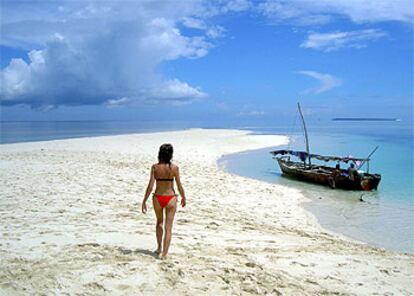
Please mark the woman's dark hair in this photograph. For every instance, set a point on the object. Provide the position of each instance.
(165, 153)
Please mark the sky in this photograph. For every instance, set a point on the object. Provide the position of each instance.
(206, 61)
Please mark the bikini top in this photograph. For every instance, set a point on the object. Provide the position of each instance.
(167, 179)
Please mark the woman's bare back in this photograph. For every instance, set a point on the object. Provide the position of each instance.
(164, 175)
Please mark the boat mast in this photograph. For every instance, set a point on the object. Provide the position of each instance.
(306, 134)
(367, 159)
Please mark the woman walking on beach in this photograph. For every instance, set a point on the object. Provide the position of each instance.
(164, 173)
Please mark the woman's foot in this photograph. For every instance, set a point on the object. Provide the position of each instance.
(162, 256)
(158, 251)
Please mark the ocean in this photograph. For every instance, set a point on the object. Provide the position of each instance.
(29, 131)
(385, 218)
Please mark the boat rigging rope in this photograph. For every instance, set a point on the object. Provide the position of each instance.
(292, 130)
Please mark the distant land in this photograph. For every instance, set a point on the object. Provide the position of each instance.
(364, 119)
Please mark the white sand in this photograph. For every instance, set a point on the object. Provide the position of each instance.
(71, 224)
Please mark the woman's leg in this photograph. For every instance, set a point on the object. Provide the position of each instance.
(169, 219)
(159, 224)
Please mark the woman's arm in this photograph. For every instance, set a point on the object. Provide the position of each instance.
(179, 186)
(148, 191)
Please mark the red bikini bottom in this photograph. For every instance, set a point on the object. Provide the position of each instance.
(164, 200)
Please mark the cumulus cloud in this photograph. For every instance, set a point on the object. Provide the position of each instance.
(326, 81)
(333, 41)
(307, 12)
(175, 90)
(96, 52)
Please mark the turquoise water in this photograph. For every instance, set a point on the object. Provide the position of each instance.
(386, 217)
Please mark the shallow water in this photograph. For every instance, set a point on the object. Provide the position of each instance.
(385, 218)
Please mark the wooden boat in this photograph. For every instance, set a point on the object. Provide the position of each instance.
(304, 170)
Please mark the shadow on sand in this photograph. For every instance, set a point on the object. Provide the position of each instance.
(125, 251)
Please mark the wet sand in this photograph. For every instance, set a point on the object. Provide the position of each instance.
(71, 224)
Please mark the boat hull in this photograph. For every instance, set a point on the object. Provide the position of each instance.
(323, 175)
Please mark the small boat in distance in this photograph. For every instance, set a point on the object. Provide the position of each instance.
(334, 177)
(364, 119)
